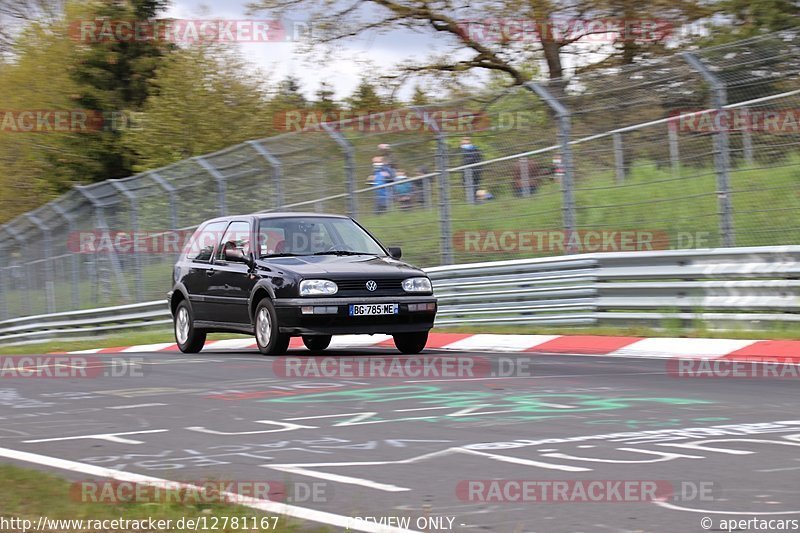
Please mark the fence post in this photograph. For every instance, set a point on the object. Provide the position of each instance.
(25, 300)
(277, 171)
(49, 271)
(567, 182)
(721, 150)
(170, 190)
(445, 230)
(100, 224)
(221, 182)
(349, 168)
(137, 257)
(3, 283)
(619, 158)
(73, 256)
(674, 148)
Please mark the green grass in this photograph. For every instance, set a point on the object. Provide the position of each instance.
(30, 494)
(765, 204)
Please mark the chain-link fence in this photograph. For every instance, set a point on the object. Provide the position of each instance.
(697, 149)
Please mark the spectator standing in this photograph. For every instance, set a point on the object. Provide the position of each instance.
(471, 154)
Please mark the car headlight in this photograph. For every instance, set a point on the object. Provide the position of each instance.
(317, 287)
(417, 285)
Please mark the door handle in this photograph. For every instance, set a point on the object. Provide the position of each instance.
(210, 272)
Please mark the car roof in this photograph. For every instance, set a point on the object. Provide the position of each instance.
(281, 214)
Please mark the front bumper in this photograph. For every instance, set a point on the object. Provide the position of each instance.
(294, 322)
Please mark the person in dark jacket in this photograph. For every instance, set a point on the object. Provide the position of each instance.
(471, 154)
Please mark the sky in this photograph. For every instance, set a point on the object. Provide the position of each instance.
(279, 59)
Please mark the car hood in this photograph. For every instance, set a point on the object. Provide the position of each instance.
(341, 267)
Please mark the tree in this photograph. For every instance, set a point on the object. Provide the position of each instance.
(478, 34)
(419, 97)
(113, 77)
(365, 98)
(324, 99)
(202, 101)
(16, 14)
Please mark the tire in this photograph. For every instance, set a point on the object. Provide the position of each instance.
(316, 343)
(268, 338)
(189, 339)
(411, 343)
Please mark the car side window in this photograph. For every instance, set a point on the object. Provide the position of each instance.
(237, 236)
(201, 246)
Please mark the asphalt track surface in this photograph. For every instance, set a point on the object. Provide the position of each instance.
(407, 447)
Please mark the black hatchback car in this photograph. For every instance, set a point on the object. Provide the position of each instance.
(296, 274)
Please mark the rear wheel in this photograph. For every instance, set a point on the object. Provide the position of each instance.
(316, 343)
(268, 338)
(411, 343)
(189, 339)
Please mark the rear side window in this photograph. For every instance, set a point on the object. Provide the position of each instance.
(201, 245)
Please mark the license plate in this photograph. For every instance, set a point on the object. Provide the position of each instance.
(373, 309)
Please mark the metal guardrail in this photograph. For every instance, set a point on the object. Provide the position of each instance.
(747, 288)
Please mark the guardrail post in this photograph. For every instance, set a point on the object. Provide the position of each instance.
(137, 255)
(619, 158)
(47, 254)
(349, 168)
(171, 193)
(674, 149)
(567, 181)
(721, 150)
(277, 172)
(445, 230)
(100, 224)
(222, 183)
(73, 256)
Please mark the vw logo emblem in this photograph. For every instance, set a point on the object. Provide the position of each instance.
(371, 285)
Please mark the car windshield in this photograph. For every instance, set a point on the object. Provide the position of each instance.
(299, 235)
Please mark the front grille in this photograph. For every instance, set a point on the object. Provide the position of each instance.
(358, 287)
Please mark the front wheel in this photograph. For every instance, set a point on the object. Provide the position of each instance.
(268, 338)
(411, 343)
(189, 339)
(316, 343)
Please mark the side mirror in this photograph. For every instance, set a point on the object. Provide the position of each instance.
(234, 254)
(395, 252)
(237, 255)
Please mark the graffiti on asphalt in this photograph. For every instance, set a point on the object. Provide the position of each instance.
(471, 405)
(227, 454)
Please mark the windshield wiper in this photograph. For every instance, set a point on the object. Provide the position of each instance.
(283, 254)
(342, 252)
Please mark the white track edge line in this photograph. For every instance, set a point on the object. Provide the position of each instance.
(254, 503)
